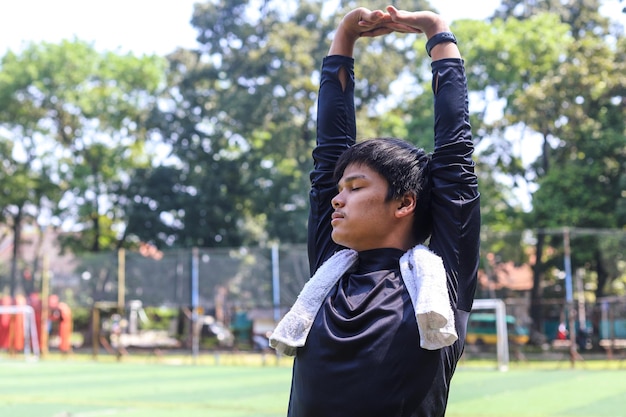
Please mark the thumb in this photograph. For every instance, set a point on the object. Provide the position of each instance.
(393, 12)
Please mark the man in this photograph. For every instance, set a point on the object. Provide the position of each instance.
(379, 328)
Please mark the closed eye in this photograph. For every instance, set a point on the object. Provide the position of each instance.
(351, 183)
(349, 188)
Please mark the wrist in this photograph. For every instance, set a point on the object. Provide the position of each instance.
(343, 41)
(436, 24)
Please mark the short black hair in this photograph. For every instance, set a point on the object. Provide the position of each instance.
(404, 166)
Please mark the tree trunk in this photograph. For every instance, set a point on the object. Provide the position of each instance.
(603, 276)
(17, 239)
(536, 297)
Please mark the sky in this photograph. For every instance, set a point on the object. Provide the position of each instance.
(139, 26)
(152, 26)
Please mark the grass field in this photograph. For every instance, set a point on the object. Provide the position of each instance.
(239, 386)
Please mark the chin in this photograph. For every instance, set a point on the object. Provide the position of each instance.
(345, 245)
(338, 240)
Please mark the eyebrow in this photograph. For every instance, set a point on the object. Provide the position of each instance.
(351, 179)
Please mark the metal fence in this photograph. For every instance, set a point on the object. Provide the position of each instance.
(270, 278)
(242, 278)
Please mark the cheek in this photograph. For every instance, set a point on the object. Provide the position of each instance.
(369, 218)
(373, 205)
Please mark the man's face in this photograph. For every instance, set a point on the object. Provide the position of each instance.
(363, 219)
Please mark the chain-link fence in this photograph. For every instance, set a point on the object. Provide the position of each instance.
(544, 276)
(244, 278)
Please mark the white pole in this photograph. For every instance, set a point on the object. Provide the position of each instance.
(501, 330)
(195, 332)
(275, 282)
(569, 295)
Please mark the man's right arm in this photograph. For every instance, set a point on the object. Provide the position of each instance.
(336, 126)
(336, 131)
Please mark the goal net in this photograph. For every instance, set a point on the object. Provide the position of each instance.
(502, 338)
(30, 336)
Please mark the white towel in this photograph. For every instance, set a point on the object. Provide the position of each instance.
(292, 331)
(424, 277)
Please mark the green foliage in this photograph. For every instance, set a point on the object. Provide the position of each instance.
(237, 114)
(509, 55)
(81, 319)
(580, 177)
(245, 137)
(159, 318)
(557, 75)
(93, 105)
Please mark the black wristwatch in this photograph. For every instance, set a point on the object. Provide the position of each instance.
(439, 38)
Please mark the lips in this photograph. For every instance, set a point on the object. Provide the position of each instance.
(336, 216)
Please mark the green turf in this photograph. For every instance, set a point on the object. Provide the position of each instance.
(559, 392)
(163, 387)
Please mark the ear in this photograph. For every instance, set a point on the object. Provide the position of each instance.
(406, 205)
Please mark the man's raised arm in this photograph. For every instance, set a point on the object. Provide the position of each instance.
(336, 125)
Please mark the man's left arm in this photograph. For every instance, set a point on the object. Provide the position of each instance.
(455, 199)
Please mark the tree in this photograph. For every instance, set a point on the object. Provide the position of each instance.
(74, 119)
(583, 187)
(88, 108)
(577, 107)
(28, 189)
(503, 59)
(239, 115)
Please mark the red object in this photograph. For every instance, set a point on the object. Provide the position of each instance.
(65, 327)
(5, 323)
(16, 342)
(12, 325)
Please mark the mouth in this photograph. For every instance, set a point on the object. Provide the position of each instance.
(336, 216)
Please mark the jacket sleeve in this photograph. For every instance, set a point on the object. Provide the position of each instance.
(336, 131)
(455, 197)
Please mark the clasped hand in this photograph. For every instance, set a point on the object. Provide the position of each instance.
(362, 22)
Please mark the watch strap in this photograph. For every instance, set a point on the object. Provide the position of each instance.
(439, 38)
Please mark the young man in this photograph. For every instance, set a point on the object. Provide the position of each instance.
(379, 328)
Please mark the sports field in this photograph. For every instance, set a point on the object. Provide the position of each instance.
(224, 386)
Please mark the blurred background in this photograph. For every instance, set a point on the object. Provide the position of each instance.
(155, 159)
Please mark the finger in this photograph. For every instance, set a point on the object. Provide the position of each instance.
(393, 12)
(399, 16)
(374, 17)
(402, 28)
(383, 30)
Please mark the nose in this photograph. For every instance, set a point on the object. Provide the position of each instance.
(336, 202)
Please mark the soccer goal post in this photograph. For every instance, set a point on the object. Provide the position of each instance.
(31, 338)
(502, 337)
